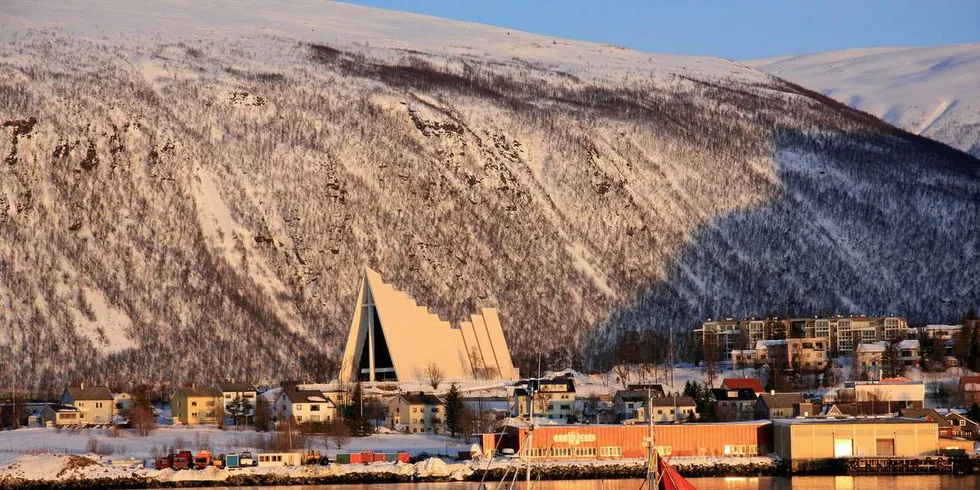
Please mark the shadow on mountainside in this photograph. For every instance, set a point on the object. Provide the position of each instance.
(860, 226)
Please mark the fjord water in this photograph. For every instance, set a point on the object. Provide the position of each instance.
(904, 482)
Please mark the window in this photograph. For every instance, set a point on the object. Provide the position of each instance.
(562, 452)
(211, 403)
(299, 418)
(610, 451)
(585, 452)
(314, 408)
(298, 407)
(193, 404)
(98, 404)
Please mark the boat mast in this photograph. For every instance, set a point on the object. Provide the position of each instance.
(651, 451)
(530, 435)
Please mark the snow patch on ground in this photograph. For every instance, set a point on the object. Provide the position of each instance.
(109, 327)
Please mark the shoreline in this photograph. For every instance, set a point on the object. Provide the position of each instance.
(427, 471)
(423, 472)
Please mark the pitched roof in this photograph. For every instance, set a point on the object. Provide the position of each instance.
(872, 347)
(198, 391)
(296, 395)
(230, 386)
(670, 401)
(414, 337)
(89, 393)
(737, 383)
(781, 400)
(422, 399)
(925, 414)
(909, 344)
(567, 385)
(743, 394)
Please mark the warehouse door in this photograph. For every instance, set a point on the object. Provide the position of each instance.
(885, 447)
(843, 447)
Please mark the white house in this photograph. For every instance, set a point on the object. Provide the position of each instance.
(304, 406)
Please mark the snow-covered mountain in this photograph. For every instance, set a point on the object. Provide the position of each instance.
(190, 190)
(933, 91)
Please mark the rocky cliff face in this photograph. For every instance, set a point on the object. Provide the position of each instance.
(191, 207)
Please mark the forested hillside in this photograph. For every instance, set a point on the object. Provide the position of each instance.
(199, 205)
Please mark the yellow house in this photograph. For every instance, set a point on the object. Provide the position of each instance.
(417, 413)
(193, 405)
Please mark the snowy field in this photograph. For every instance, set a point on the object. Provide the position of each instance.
(130, 445)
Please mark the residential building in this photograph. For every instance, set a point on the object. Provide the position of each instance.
(808, 354)
(782, 406)
(392, 338)
(969, 391)
(734, 405)
(961, 426)
(122, 403)
(942, 332)
(670, 409)
(870, 355)
(553, 399)
(944, 425)
(304, 405)
(193, 405)
(884, 396)
(909, 353)
(231, 391)
(738, 383)
(417, 413)
(56, 415)
(744, 358)
(840, 333)
(630, 405)
(95, 403)
(656, 389)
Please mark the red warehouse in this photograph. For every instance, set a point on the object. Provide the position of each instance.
(628, 441)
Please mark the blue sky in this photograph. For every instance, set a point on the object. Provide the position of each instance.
(736, 29)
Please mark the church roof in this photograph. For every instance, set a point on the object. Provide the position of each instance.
(411, 339)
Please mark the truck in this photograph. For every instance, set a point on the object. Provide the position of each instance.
(246, 460)
(165, 462)
(182, 461)
(203, 460)
(218, 461)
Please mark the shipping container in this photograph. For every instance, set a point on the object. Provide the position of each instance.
(343, 458)
(279, 459)
(404, 457)
(629, 441)
(231, 460)
(356, 458)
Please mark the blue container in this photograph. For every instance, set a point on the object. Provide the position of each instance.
(231, 461)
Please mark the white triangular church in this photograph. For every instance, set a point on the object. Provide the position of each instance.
(392, 338)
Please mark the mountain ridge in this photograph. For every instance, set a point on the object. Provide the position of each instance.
(214, 195)
(929, 91)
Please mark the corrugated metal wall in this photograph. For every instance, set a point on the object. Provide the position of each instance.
(564, 441)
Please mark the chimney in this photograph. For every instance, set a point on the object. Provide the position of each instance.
(81, 385)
